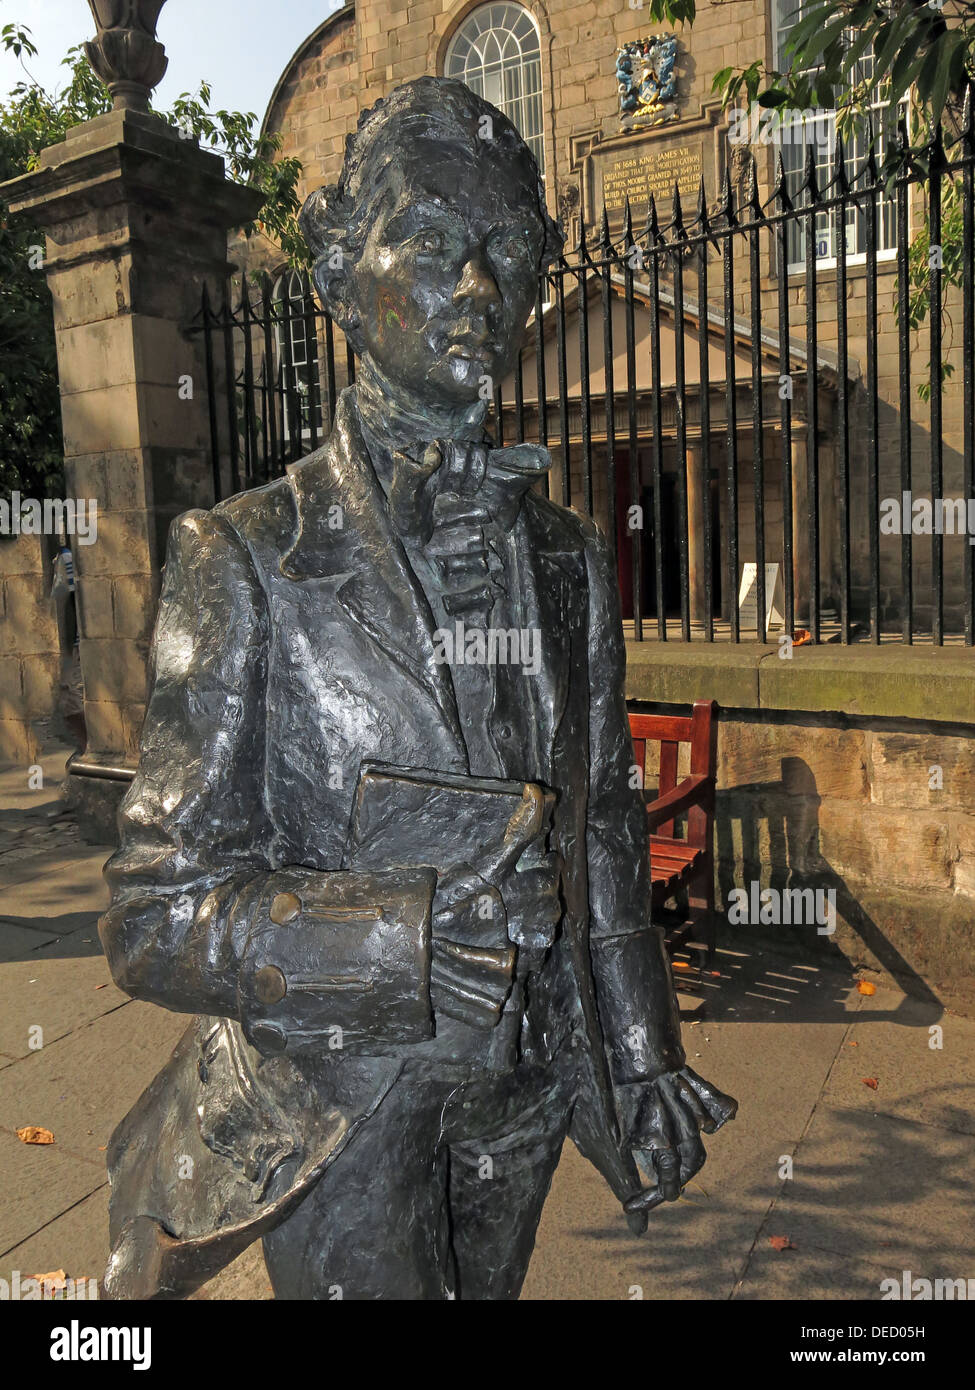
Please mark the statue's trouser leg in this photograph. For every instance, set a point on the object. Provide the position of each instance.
(497, 1185)
(412, 1211)
(375, 1225)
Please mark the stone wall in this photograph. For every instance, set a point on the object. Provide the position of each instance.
(852, 806)
(877, 807)
(30, 661)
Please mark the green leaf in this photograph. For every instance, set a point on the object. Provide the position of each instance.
(929, 83)
(903, 74)
(818, 40)
(807, 27)
(942, 75)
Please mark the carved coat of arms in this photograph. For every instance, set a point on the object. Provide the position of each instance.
(647, 81)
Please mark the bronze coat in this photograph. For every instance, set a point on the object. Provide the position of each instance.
(287, 650)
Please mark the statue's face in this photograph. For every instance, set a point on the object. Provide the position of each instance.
(448, 273)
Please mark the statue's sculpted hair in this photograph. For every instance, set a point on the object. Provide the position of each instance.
(340, 214)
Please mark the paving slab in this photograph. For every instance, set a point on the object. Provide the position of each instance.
(53, 993)
(697, 1247)
(924, 1071)
(16, 793)
(246, 1278)
(81, 1086)
(77, 871)
(63, 902)
(41, 1181)
(19, 943)
(747, 983)
(810, 1273)
(871, 1195)
(76, 1242)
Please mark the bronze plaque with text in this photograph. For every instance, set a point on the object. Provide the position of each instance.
(646, 172)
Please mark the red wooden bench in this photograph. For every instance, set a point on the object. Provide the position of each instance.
(679, 865)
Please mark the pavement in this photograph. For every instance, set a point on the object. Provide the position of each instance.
(822, 1188)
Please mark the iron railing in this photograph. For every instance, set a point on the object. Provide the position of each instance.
(712, 403)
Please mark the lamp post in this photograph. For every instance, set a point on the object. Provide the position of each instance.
(125, 52)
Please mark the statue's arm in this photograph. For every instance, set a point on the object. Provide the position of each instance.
(635, 991)
(200, 917)
(662, 1103)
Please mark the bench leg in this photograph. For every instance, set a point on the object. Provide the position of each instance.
(700, 902)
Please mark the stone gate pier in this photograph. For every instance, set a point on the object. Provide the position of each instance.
(136, 222)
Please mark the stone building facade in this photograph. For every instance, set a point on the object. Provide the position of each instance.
(567, 65)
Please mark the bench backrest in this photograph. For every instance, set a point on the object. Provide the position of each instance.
(700, 730)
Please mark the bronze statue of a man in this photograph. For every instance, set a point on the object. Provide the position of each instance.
(382, 841)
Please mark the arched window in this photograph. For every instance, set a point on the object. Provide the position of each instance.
(297, 350)
(497, 52)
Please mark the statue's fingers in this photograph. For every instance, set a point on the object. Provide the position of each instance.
(667, 1163)
(719, 1106)
(432, 458)
(692, 1152)
(644, 1201)
(654, 1130)
(471, 466)
(692, 1101)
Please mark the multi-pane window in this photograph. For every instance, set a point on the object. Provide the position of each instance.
(817, 130)
(297, 348)
(497, 52)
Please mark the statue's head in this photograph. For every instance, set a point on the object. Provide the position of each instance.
(428, 249)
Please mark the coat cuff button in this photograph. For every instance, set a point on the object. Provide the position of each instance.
(269, 1038)
(284, 908)
(270, 986)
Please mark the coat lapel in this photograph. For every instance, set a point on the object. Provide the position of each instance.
(555, 571)
(344, 535)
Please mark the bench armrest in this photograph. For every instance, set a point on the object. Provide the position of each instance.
(687, 793)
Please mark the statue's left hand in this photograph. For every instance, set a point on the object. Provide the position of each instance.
(662, 1121)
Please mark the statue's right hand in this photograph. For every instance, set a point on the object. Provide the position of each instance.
(472, 968)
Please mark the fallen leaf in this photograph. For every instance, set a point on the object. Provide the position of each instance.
(716, 974)
(870, 1081)
(102, 1148)
(680, 965)
(865, 987)
(853, 1044)
(104, 986)
(781, 1243)
(33, 1134)
(57, 1279)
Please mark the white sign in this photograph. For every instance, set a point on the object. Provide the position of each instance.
(748, 598)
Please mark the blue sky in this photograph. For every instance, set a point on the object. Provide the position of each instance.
(239, 46)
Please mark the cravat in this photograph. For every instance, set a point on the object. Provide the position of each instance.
(448, 496)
